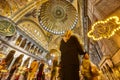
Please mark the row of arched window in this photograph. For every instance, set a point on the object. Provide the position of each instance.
(25, 44)
(109, 72)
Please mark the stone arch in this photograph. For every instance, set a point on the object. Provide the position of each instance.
(26, 62)
(31, 28)
(9, 57)
(19, 40)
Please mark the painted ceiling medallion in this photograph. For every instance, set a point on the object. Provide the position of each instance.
(57, 16)
(7, 27)
(104, 29)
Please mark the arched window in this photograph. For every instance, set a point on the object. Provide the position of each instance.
(23, 43)
(9, 57)
(19, 40)
(32, 49)
(26, 62)
(28, 46)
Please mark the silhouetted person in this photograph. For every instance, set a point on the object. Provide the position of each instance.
(85, 67)
(59, 72)
(15, 66)
(70, 49)
(88, 69)
(33, 70)
(9, 58)
(40, 74)
(54, 69)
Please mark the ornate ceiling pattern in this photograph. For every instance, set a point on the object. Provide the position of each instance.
(34, 31)
(10, 7)
(17, 10)
(57, 16)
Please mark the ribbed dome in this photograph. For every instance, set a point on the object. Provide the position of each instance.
(57, 16)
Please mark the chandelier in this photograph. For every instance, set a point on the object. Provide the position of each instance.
(104, 29)
(57, 16)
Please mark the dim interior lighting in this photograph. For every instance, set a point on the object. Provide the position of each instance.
(104, 29)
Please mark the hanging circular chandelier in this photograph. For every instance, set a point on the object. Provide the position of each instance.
(57, 16)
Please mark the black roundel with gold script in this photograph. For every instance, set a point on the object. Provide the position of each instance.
(7, 26)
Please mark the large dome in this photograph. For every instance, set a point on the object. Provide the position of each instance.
(57, 16)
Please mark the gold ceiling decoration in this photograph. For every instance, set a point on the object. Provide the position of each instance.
(7, 27)
(10, 7)
(34, 31)
(4, 8)
(57, 16)
(104, 29)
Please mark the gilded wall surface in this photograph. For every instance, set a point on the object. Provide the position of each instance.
(110, 47)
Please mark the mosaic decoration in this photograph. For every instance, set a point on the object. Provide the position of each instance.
(57, 16)
(34, 31)
(104, 29)
(10, 7)
(7, 27)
